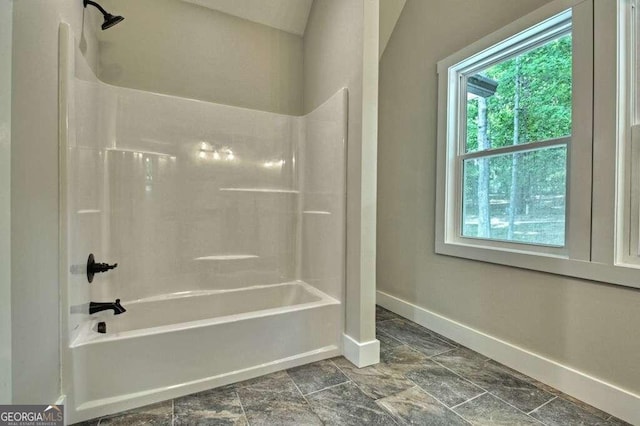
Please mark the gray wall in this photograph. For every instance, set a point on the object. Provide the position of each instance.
(589, 326)
(333, 58)
(5, 202)
(34, 193)
(178, 48)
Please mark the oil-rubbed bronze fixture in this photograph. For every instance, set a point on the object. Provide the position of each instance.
(95, 307)
(96, 268)
(109, 19)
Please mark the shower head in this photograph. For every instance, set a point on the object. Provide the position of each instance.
(109, 19)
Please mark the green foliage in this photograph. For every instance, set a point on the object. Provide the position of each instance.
(541, 80)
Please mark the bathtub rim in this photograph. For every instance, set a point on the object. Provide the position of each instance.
(87, 335)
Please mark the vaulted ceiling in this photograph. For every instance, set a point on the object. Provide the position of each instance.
(286, 15)
(292, 15)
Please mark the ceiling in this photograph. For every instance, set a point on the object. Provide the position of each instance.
(286, 15)
(292, 15)
(389, 13)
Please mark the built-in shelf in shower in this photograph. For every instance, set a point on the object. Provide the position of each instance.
(88, 211)
(261, 190)
(228, 257)
(318, 212)
(140, 151)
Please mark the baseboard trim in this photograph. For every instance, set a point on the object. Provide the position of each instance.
(361, 354)
(600, 394)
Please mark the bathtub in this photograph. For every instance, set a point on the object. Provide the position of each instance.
(135, 361)
(231, 265)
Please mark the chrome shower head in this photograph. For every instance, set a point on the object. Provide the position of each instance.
(109, 19)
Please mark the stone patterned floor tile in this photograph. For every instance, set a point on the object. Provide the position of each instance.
(275, 400)
(415, 336)
(402, 358)
(383, 314)
(494, 378)
(213, 407)
(386, 341)
(420, 375)
(442, 383)
(562, 412)
(317, 376)
(347, 405)
(416, 407)
(617, 422)
(487, 410)
(160, 414)
(553, 391)
(376, 381)
(460, 356)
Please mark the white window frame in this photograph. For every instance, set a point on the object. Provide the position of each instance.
(533, 30)
(598, 243)
(628, 237)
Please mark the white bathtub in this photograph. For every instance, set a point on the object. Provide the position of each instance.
(136, 361)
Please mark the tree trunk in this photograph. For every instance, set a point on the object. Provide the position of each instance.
(514, 196)
(484, 219)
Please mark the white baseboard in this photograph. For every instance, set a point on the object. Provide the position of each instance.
(361, 354)
(605, 396)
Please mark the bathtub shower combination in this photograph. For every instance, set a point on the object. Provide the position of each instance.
(228, 227)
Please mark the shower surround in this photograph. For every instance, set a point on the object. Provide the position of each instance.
(228, 226)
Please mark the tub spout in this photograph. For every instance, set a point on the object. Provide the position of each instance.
(103, 306)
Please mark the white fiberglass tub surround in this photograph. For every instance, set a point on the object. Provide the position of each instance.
(228, 226)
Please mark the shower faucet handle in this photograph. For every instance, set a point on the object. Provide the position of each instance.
(94, 267)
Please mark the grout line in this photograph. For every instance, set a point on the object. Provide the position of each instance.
(297, 388)
(173, 412)
(329, 387)
(242, 407)
(461, 376)
(470, 381)
(431, 333)
(384, 333)
(468, 400)
(537, 408)
(441, 353)
(350, 378)
(523, 412)
(386, 410)
(491, 393)
(442, 403)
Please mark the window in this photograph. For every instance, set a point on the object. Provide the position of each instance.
(629, 117)
(538, 162)
(518, 125)
(512, 156)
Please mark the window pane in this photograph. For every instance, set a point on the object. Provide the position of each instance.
(516, 197)
(636, 65)
(526, 98)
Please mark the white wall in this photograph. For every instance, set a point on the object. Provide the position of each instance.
(34, 192)
(591, 327)
(338, 54)
(178, 48)
(5, 202)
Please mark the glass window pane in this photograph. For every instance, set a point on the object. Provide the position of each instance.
(516, 197)
(526, 98)
(636, 66)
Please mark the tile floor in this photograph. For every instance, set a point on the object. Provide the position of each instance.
(423, 379)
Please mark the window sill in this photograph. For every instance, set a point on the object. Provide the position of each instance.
(626, 275)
